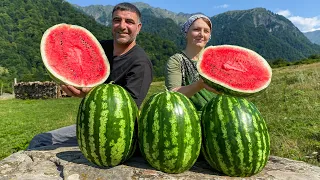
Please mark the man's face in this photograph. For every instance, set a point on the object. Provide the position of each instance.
(125, 26)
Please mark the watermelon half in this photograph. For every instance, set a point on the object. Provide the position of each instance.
(234, 70)
(72, 55)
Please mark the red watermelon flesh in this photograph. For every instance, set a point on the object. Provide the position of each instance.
(74, 56)
(234, 70)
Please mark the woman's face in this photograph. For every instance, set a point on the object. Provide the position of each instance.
(198, 33)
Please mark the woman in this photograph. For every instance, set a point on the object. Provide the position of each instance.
(181, 72)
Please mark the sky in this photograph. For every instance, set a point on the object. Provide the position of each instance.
(304, 14)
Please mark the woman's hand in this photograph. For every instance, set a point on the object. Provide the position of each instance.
(193, 88)
(73, 91)
(207, 87)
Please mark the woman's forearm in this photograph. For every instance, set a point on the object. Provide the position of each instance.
(189, 90)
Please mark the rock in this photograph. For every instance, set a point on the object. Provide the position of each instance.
(57, 163)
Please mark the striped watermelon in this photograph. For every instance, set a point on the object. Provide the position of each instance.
(169, 132)
(235, 136)
(105, 125)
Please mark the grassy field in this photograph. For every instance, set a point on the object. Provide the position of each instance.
(290, 106)
(20, 120)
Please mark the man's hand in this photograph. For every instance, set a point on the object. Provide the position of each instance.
(72, 91)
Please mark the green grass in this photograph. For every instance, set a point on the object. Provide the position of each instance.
(290, 106)
(20, 120)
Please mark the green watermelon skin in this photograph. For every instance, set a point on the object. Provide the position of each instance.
(169, 132)
(235, 136)
(105, 125)
(221, 89)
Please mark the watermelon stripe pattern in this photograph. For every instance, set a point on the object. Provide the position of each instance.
(201, 98)
(169, 132)
(105, 125)
(236, 137)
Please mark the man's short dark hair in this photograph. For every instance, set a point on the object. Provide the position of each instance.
(125, 6)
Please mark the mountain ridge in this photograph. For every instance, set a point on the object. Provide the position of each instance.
(270, 34)
(178, 18)
(313, 36)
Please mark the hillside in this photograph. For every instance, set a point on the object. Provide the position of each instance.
(313, 36)
(169, 29)
(291, 107)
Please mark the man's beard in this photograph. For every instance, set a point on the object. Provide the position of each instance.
(124, 41)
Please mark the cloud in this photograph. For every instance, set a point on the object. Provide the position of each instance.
(302, 23)
(223, 6)
(306, 24)
(285, 13)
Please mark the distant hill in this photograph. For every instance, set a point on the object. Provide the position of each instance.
(313, 36)
(271, 35)
(103, 13)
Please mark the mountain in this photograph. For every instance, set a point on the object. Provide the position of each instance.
(160, 22)
(271, 35)
(313, 36)
(103, 13)
(165, 28)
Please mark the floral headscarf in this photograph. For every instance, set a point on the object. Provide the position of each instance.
(188, 23)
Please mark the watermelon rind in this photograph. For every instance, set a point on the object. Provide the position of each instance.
(60, 78)
(223, 87)
(169, 132)
(105, 125)
(236, 140)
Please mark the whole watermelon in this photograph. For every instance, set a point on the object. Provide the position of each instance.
(234, 70)
(235, 136)
(169, 132)
(105, 125)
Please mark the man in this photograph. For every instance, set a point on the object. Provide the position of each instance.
(130, 68)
